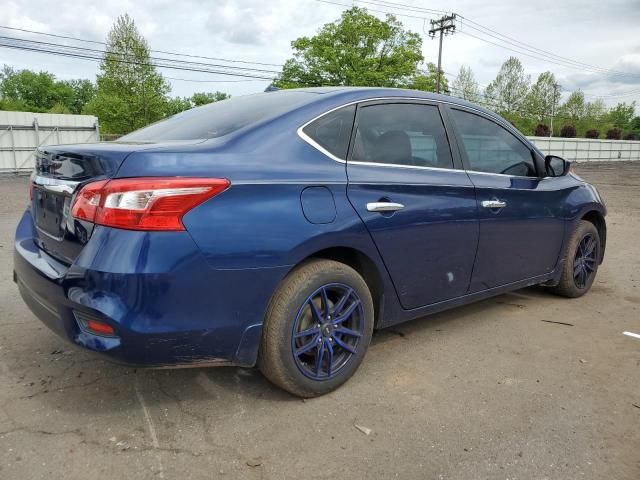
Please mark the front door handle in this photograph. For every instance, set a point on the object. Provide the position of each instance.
(384, 206)
(494, 204)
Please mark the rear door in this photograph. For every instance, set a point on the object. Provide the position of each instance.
(418, 205)
(521, 231)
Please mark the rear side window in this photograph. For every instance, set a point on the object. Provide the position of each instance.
(491, 148)
(402, 134)
(333, 131)
(220, 118)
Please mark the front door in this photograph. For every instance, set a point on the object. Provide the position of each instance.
(418, 207)
(521, 230)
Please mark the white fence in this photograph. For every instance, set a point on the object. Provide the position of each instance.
(589, 150)
(22, 132)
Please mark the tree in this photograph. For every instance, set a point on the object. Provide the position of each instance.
(542, 130)
(130, 92)
(622, 114)
(568, 131)
(180, 104)
(427, 80)
(506, 93)
(574, 108)
(27, 90)
(614, 134)
(81, 93)
(465, 86)
(593, 133)
(202, 98)
(357, 49)
(541, 101)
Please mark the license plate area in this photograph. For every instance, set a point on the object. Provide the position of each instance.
(51, 210)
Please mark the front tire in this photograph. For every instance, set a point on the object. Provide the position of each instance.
(580, 262)
(317, 328)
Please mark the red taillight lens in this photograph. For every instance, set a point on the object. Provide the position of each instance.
(151, 203)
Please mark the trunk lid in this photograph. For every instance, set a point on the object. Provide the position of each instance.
(60, 172)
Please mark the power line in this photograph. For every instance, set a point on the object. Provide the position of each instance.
(99, 58)
(512, 40)
(85, 49)
(373, 10)
(195, 80)
(66, 37)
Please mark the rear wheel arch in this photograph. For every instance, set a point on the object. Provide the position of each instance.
(362, 264)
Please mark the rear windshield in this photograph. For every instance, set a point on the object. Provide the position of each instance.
(219, 118)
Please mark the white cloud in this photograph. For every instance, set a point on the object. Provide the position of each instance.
(591, 31)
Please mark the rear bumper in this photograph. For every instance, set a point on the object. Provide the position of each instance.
(167, 306)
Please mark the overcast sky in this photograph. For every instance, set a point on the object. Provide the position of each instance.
(606, 34)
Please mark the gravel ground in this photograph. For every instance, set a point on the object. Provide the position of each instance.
(489, 390)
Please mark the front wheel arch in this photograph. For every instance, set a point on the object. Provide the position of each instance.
(597, 219)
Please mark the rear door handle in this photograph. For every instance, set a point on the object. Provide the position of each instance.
(384, 206)
(494, 204)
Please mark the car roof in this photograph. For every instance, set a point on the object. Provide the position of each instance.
(352, 94)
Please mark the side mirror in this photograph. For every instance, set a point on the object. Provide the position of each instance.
(556, 166)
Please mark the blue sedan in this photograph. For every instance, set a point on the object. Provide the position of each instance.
(280, 229)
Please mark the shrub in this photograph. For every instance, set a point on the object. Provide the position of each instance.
(614, 134)
(630, 136)
(542, 130)
(568, 131)
(593, 133)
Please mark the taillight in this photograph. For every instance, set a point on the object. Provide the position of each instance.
(150, 203)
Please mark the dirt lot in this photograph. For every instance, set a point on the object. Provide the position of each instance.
(486, 391)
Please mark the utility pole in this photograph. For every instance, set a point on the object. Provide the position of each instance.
(443, 25)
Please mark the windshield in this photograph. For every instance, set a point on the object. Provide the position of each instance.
(219, 118)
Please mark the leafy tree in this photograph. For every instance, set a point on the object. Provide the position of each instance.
(507, 92)
(357, 49)
(465, 86)
(27, 90)
(427, 80)
(574, 109)
(614, 134)
(622, 114)
(542, 130)
(177, 105)
(595, 111)
(630, 136)
(541, 101)
(180, 104)
(593, 133)
(81, 92)
(568, 131)
(202, 98)
(130, 92)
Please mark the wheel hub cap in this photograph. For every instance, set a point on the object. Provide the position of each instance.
(327, 331)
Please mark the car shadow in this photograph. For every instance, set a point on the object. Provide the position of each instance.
(74, 381)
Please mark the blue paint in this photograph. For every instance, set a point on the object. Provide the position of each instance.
(318, 205)
(199, 296)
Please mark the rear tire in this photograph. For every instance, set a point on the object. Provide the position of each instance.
(581, 260)
(317, 328)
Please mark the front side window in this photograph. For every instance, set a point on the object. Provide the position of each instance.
(402, 134)
(491, 148)
(333, 131)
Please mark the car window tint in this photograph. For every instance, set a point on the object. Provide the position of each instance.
(402, 134)
(491, 148)
(333, 131)
(220, 118)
